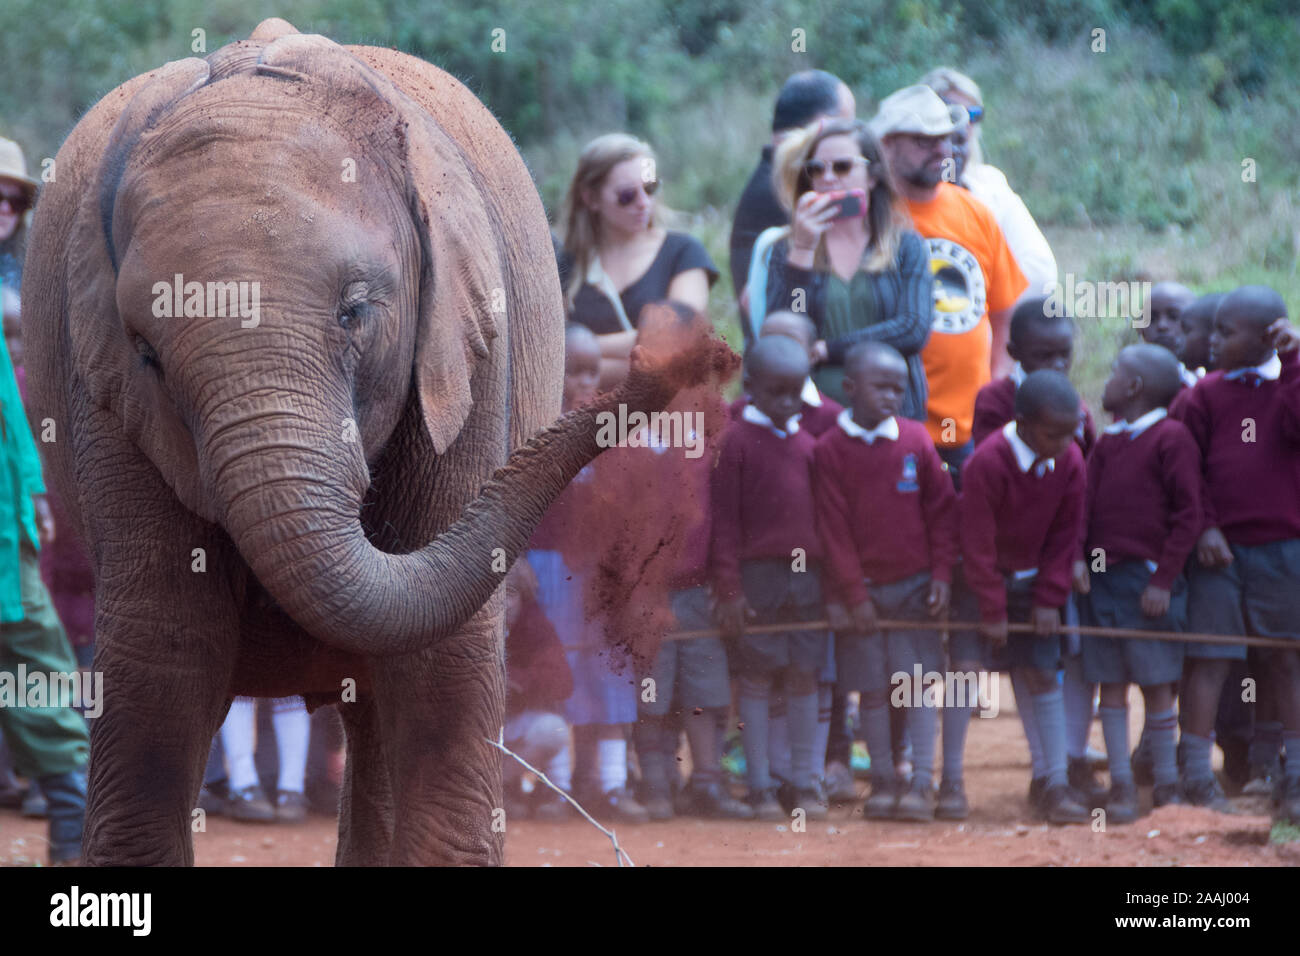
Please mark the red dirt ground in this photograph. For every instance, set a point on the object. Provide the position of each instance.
(998, 832)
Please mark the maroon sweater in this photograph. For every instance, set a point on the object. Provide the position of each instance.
(1144, 498)
(815, 419)
(1252, 487)
(885, 510)
(762, 501)
(1013, 521)
(995, 405)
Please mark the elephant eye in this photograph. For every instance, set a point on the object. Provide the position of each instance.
(146, 352)
(354, 304)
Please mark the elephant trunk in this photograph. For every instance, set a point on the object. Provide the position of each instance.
(298, 527)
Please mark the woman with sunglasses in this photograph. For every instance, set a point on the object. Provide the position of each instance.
(861, 274)
(989, 185)
(621, 257)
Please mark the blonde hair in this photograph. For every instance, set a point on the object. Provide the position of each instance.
(579, 224)
(887, 217)
(945, 80)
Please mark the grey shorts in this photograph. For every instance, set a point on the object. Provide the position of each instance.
(1021, 650)
(779, 595)
(689, 674)
(1257, 594)
(1115, 600)
(863, 661)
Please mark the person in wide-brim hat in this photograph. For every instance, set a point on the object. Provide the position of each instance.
(17, 194)
(916, 110)
(13, 168)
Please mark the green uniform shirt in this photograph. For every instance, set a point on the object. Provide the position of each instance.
(20, 478)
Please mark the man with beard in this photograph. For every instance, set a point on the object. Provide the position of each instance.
(977, 281)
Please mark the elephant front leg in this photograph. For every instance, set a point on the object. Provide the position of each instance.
(166, 661)
(166, 630)
(366, 805)
(440, 710)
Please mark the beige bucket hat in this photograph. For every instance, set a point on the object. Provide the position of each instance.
(13, 167)
(917, 110)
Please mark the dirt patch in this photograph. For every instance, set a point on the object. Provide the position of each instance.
(998, 833)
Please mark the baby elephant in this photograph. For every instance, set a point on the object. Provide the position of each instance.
(290, 308)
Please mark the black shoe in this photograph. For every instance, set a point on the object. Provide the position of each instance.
(713, 802)
(765, 805)
(1144, 763)
(952, 803)
(1262, 780)
(812, 800)
(291, 806)
(1122, 803)
(918, 804)
(785, 794)
(1286, 807)
(1087, 788)
(1166, 795)
(250, 805)
(213, 797)
(1060, 807)
(882, 801)
(1037, 789)
(1206, 793)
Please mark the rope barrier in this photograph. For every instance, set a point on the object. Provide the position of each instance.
(1083, 630)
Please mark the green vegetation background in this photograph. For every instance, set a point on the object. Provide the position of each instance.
(1131, 159)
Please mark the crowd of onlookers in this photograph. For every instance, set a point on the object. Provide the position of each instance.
(907, 447)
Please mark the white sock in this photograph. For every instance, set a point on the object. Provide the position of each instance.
(611, 761)
(560, 770)
(292, 733)
(237, 741)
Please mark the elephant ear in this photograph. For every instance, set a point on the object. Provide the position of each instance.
(172, 82)
(462, 288)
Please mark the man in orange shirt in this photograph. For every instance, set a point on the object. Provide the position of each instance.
(977, 281)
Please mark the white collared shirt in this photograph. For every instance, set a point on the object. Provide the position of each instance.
(1025, 456)
(1138, 425)
(888, 429)
(810, 394)
(1018, 375)
(755, 417)
(1189, 377)
(1267, 372)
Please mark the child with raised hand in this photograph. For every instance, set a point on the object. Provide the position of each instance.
(1245, 418)
(1021, 511)
(1144, 515)
(765, 555)
(886, 513)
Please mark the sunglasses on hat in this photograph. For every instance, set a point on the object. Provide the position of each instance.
(625, 197)
(976, 113)
(840, 167)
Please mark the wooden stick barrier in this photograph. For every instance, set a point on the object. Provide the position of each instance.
(1083, 630)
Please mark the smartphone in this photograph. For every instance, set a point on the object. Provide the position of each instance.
(852, 205)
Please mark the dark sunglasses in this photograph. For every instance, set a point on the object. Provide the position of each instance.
(19, 204)
(976, 113)
(840, 167)
(625, 197)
